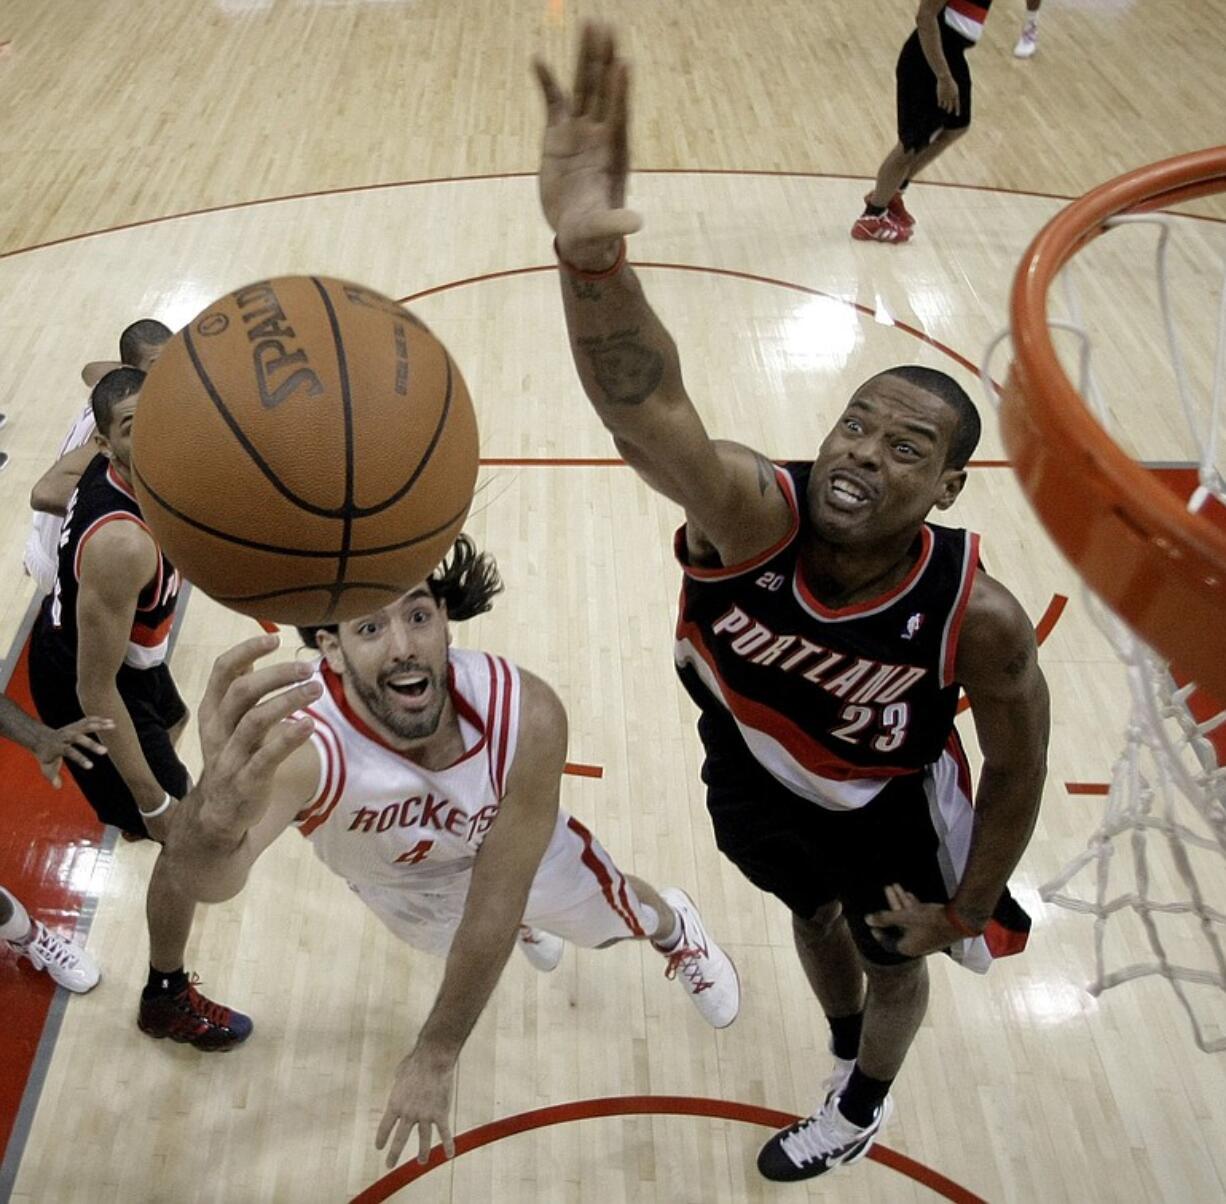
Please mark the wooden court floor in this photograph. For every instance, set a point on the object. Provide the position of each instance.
(155, 156)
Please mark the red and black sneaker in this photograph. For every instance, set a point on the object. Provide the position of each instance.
(191, 1019)
(897, 209)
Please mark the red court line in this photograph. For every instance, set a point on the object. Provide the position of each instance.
(517, 175)
(1051, 616)
(648, 1105)
(732, 274)
(49, 847)
(578, 770)
(1087, 787)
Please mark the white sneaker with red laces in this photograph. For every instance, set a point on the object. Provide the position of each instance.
(68, 964)
(542, 949)
(700, 965)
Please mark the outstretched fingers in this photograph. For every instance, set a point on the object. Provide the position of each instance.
(619, 123)
(276, 747)
(555, 98)
(586, 69)
(257, 721)
(244, 693)
(232, 664)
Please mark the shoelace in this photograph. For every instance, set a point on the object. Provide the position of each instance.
(215, 1013)
(808, 1143)
(52, 948)
(686, 960)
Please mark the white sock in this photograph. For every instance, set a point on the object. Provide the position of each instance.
(666, 944)
(18, 927)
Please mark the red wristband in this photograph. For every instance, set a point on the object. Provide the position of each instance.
(958, 923)
(583, 274)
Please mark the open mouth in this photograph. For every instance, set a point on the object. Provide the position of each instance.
(846, 492)
(413, 687)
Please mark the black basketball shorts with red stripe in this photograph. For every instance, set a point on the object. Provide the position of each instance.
(809, 856)
(155, 706)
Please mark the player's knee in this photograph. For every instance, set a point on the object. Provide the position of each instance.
(896, 978)
(821, 924)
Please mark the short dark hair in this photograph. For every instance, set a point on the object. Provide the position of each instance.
(116, 386)
(943, 386)
(142, 336)
(465, 583)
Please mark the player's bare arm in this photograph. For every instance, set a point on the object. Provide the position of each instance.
(502, 878)
(51, 745)
(930, 42)
(626, 360)
(259, 770)
(998, 666)
(53, 489)
(117, 562)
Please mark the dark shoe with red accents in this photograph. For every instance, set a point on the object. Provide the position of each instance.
(191, 1019)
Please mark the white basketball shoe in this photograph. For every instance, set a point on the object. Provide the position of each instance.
(820, 1143)
(542, 949)
(700, 965)
(1028, 43)
(68, 964)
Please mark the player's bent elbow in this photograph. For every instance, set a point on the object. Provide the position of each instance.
(46, 500)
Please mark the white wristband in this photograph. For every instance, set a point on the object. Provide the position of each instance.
(167, 799)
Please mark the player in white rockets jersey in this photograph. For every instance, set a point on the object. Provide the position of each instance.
(428, 777)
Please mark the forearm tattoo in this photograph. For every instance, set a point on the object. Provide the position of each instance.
(585, 290)
(627, 370)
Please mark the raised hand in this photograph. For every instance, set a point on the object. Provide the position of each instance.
(245, 733)
(586, 159)
(421, 1100)
(71, 741)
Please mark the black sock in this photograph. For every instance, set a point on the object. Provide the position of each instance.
(163, 983)
(862, 1096)
(845, 1034)
(873, 210)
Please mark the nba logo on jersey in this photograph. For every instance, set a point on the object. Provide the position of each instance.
(914, 623)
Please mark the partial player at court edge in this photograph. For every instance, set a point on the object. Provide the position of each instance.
(66, 962)
(428, 777)
(825, 632)
(933, 108)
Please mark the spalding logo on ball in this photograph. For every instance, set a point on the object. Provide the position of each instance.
(305, 450)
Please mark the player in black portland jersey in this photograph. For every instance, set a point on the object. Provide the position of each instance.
(100, 643)
(832, 700)
(825, 630)
(103, 631)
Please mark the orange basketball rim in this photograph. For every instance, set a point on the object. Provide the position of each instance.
(1159, 566)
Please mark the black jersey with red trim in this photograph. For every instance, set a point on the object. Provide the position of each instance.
(831, 702)
(102, 496)
(967, 17)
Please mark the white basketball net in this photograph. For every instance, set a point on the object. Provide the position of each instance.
(1166, 807)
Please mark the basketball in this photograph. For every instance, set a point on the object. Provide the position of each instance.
(304, 450)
